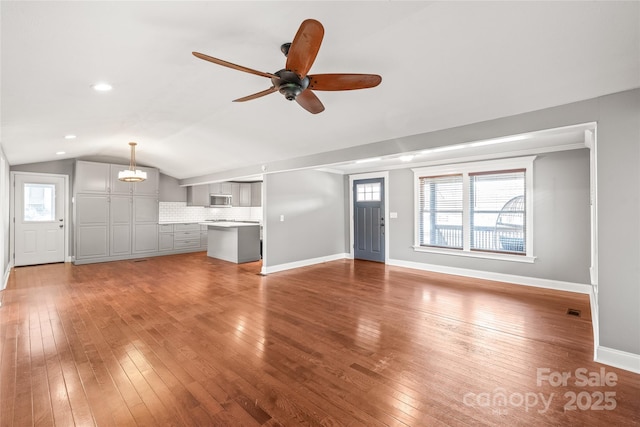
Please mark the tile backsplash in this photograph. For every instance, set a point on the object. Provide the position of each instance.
(180, 212)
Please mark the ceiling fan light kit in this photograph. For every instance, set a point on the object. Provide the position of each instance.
(293, 81)
(132, 174)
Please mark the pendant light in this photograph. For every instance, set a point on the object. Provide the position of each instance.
(132, 174)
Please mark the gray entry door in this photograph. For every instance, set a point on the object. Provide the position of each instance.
(368, 219)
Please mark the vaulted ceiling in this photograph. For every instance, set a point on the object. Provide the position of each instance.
(443, 64)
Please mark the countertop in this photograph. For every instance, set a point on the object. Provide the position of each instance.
(230, 224)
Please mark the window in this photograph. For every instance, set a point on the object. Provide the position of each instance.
(479, 209)
(369, 192)
(39, 202)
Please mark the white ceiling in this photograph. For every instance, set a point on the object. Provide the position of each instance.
(443, 64)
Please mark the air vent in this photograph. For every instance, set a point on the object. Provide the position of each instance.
(573, 312)
(140, 260)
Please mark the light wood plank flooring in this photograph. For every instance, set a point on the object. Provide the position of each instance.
(186, 340)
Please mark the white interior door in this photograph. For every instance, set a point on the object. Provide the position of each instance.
(39, 218)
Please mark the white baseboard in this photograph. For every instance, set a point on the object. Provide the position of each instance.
(498, 277)
(5, 279)
(618, 359)
(595, 321)
(302, 263)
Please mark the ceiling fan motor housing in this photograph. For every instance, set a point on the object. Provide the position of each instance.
(289, 84)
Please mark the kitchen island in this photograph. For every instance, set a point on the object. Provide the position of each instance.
(233, 241)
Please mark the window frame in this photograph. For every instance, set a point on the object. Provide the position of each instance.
(496, 165)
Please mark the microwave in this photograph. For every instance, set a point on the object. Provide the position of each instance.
(220, 200)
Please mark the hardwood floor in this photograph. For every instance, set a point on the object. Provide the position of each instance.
(188, 340)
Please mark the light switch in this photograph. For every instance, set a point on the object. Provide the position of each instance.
(281, 218)
(393, 214)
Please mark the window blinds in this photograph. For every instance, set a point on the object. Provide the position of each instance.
(441, 207)
(497, 211)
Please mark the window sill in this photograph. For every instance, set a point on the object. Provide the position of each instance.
(474, 254)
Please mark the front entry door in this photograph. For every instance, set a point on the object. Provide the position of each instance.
(39, 215)
(368, 219)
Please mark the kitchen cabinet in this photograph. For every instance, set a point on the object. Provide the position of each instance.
(165, 237)
(92, 226)
(241, 194)
(220, 188)
(245, 194)
(204, 239)
(115, 185)
(150, 186)
(113, 220)
(256, 194)
(92, 177)
(186, 236)
(145, 224)
(145, 238)
(198, 195)
(120, 225)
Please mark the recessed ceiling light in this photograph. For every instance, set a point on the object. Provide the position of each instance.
(102, 87)
(69, 136)
(373, 159)
(59, 153)
(406, 158)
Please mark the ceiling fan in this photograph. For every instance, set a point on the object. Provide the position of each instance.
(293, 81)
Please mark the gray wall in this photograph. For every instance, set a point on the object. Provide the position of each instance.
(312, 203)
(61, 167)
(619, 220)
(170, 190)
(561, 222)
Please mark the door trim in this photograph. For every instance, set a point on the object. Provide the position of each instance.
(12, 219)
(387, 223)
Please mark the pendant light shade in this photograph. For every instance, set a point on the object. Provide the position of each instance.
(132, 174)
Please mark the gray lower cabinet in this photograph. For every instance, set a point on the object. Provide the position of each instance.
(182, 237)
(120, 225)
(145, 224)
(92, 226)
(165, 237)
(145, 238)
(204, 237)
(186, 236)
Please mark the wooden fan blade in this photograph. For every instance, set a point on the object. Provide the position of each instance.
(256, 95)
(305, 47)
(231, 65)
(343, 81)
(310, 102)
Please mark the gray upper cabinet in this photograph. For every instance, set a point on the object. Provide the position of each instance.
(198, 195)
(92, 177)
(221, 188)
(245, 194)
(150, 186)
(256, 194)
(235, 194)
(117, 186)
